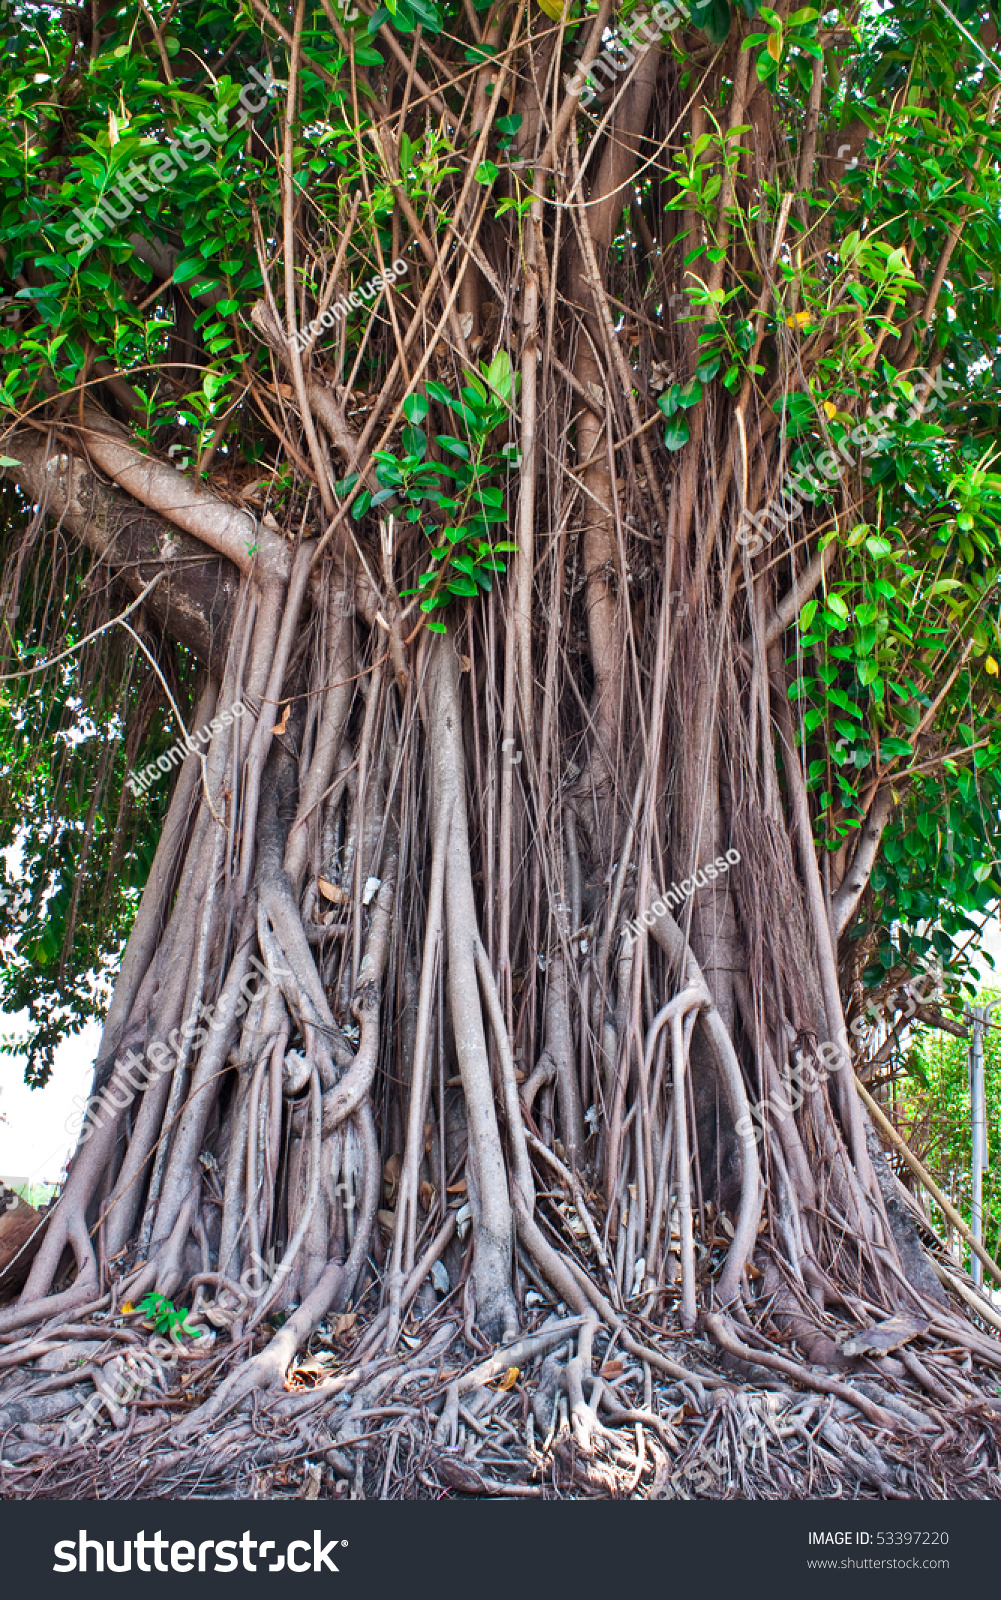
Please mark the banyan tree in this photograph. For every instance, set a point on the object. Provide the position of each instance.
(499, 664)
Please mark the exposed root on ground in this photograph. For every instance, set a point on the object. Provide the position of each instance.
(573, 1408)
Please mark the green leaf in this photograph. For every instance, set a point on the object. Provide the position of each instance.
(486, 172)
(427, 14)
(668, 401)
(454, 446)
(186, 270)
(807, 615)
(713, 17)
(837, 605)
(415, 408)
(415, 440)
(676, 434)
(878, 547)
(892, 748)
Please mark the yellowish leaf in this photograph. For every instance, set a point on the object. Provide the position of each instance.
(799, 319)
(831, 411)
(552, 8)
(510, 1378)
(128, 1308)
(992, 666)
(774, 46)
(279, 727)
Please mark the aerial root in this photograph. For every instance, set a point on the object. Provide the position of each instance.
(574, 1407)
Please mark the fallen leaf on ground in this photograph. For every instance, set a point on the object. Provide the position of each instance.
(460, 1476)
(886, 1336)
(279, 727)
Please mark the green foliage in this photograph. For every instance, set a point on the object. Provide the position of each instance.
(933, 1103)
(34, 1194)
(679, 397)
(713, 17)
(788, 46)
(77, 849)
(166, 1318)
(460, 496)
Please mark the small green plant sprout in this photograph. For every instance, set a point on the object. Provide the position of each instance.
(462, 498)
(166, 1318)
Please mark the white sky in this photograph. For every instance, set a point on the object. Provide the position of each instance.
(35, 1142)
